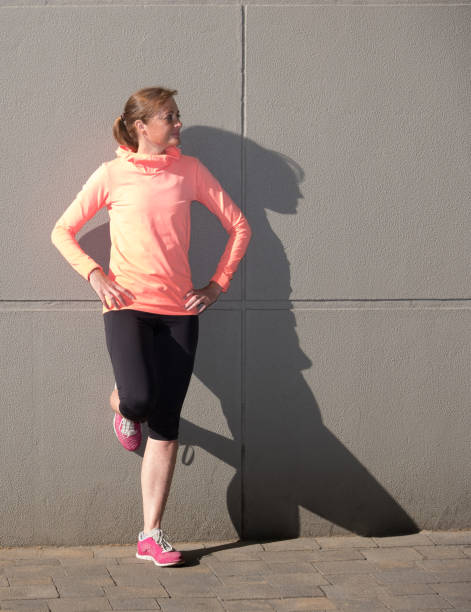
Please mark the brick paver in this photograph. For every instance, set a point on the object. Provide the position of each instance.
(427, 571)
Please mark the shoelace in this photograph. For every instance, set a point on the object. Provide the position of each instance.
(127, 427)
(162, 541)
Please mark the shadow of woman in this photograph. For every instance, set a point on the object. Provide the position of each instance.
(285, 458)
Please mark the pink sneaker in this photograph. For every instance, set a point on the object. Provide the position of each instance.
(128, 432)
(155, 547)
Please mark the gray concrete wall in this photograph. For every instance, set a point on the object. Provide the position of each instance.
(331, 391)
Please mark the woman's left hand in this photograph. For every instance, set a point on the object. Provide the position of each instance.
(203, 298)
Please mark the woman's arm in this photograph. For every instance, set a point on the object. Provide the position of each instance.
(210, 193)
(88, 201)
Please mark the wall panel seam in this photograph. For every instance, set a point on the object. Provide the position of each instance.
(243, 270)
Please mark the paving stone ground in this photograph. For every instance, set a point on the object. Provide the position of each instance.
(429, 571)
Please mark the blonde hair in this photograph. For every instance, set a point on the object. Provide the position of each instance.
(143, 105)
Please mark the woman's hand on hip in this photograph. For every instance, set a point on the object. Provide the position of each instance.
(108, 290)
(202, 298)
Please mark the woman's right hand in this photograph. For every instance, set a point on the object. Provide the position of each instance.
(107, 289)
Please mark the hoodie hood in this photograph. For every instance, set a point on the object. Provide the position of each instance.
(149, 162)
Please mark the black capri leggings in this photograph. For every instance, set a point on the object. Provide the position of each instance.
(152, 357)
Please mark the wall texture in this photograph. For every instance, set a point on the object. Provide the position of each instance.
(331, 391)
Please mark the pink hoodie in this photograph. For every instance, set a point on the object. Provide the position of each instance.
(148, 197)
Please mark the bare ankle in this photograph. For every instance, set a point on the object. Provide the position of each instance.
(114, 402)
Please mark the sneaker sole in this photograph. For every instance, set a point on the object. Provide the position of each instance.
(149, 558)
(114, 427)
(116, 433)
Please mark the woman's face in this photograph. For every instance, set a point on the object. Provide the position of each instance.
(162, 130)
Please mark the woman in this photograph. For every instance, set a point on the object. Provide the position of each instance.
(150, 307)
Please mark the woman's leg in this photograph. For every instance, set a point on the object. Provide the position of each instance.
(156, 477)
(130, 342)
(175, 348)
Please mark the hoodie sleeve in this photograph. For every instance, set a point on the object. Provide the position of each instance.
(87, 203)
(210, 193)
